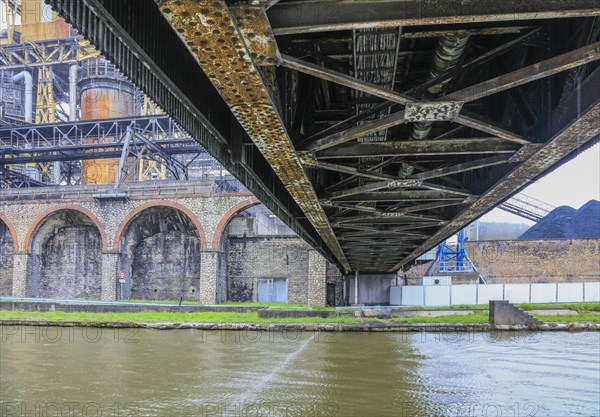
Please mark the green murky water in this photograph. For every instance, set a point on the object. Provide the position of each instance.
(90, 372)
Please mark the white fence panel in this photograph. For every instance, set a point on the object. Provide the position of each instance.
(412, 296)
(543, 293)
(437, 295)
(570, 292)
(592, 291)
(463, 294)
(489, 292)
(395, 296)
(516, 293)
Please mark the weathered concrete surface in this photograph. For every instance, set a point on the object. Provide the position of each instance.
(373, 289)
(308, 327)
(504, 313)
(532, 261)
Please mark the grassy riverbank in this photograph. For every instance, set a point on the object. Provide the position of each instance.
(582, 312)
(153, 316)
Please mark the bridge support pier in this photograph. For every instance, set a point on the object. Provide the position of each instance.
(20, 264)
(110, 260)
(210, 270)
(317, 279)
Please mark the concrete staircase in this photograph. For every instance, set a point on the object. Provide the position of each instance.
(504, 313)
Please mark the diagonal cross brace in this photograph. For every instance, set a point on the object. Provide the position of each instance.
(525, 75)
(208, 30)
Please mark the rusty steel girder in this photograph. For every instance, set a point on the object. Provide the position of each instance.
(386, 201)
(230, 61)
(298, 16)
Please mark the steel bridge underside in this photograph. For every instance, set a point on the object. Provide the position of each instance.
(375, 130)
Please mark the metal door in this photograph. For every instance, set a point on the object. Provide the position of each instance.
(272, 290)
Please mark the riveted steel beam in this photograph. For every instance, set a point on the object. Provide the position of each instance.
(467, 166)
(453, 113)
(212, 37)
(400, 196)
(419, 148)
(528, 74)
(504, 82)
(364, 129)
(374, 186)
(343, 79)
(294, 17)
(352, 171)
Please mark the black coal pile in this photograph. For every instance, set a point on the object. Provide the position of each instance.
(567, 223)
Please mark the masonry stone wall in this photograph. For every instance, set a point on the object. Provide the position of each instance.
(110, 216)
(251, 258)
(166, 266)
(533, 261)
(6, 260)
(68, 265)
(208, 209)
(317, 279)
(200, 267)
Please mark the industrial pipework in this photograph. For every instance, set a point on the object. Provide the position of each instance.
(28, 81)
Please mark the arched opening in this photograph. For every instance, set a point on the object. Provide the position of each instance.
(66, 256)
(7, 250)
(160, 255)
(266, 261)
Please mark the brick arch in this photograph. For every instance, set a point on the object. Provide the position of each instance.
(159, 203)
(227, 218)
(45, 214)
(12, 231)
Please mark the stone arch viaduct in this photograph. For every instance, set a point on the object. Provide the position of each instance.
(75, 242)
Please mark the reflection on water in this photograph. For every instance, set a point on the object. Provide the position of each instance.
(199, 373)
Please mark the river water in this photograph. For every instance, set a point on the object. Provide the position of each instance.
(90, 372)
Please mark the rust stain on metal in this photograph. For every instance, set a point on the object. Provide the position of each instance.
(253, 24)
(432, 111)
(209, 31)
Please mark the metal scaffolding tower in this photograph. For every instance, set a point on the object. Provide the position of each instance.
(72, 118)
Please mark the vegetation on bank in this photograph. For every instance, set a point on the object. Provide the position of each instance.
(569, 318)
(583, 312)
(580, 307)
(586, 312)
(478, 317)
(171, 317)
